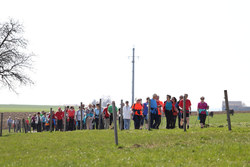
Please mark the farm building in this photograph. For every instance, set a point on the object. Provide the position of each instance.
(236, 106)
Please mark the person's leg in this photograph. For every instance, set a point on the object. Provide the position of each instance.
(187, 120)
(159, 122)
(174, 121)
(168, 119)
(61, 125)
(105, 123)
(205, 116)
(87, 122)
(97, 123)
(138, 123)
(154, 121)
(125, 124)
(91, 123)
(135, 119)
(9, 127)
(201, 121)
(111, 119)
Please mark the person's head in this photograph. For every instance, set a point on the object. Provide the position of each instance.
(67, 107)
(174, 99)
(72, 108)
(181, 97)
(29, 115)
(43, 112)
(9, 117)
(108, 104)
(186, 96)
(154, 96)
(98, 106)
(137, 100)
(157, 98)
(202, 98)
(90, 106)
(38, 113)
(168, 97)
(59, 109)
(147, 99)
(93, 105)
(126, 103)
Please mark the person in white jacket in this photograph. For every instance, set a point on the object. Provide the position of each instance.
(126, 115)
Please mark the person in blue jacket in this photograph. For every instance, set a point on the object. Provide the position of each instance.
(154, 112)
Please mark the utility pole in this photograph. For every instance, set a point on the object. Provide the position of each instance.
(133, 77)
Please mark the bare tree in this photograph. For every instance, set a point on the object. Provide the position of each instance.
(14, 59)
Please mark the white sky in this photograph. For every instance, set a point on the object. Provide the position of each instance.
(82, 47)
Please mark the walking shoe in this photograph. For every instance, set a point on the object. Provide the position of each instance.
(188, 126)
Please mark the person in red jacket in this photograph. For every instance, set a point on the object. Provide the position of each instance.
(59, 117)
(188, 109)
(137, 111)
(106, 116)
(71, 115)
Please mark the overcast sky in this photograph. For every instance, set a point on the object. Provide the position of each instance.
(83, 48)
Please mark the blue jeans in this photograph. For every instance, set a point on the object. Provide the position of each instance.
(126, 124)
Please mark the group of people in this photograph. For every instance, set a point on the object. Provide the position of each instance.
(171, 108)
(95, 117)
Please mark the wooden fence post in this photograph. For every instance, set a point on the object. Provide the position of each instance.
(115, 122)
(184, 114)
(100, 114)
(227, 108)
(121, 117)
(1, 129)
(50, 120)
(81, 118)
(149, 114)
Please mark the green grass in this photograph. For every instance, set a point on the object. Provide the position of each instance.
(25, 108)
(213, 146)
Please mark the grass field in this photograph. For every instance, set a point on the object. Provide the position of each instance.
(213, 146)
(25, 108)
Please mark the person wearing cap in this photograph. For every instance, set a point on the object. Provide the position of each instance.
(59, 118)
(202, 111)
(137, 111)
(106, 117)
(71, 115)
(188, 109)
(154, 112)
(126, 115)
